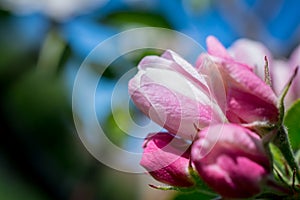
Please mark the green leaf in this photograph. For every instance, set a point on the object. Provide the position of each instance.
(291, 121)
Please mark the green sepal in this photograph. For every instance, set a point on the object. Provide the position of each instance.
(267, 73)
(200, 186)
(280, 167)
(168, 187)
(280, 103)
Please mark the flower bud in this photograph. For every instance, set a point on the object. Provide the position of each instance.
(231, 160)
(248, 97)
(173, 94)
(166, 158)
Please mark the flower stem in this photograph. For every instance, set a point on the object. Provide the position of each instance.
(281, 139)
(283, 143)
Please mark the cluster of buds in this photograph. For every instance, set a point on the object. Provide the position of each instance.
(219, 117)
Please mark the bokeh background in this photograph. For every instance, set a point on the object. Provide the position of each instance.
(42, 45)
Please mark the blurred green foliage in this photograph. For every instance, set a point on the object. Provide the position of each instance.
(125, 18)
(113, 131)
(41, 155)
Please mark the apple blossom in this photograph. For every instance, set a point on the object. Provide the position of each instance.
(248, 98)
(173, 94)
(252, 53)
(166, 158)
(234, 164)
(216, 101)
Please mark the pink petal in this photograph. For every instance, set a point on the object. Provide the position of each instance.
(246, 107)
(280, 72)
(246, 91)
(233, 163)
(172, 61)
(168, 93)
(174, 111)
(295, 58)
(166, 158)
(214, 47)
(251, 53)
(208, 67)
(294, 62)
(247, 97)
